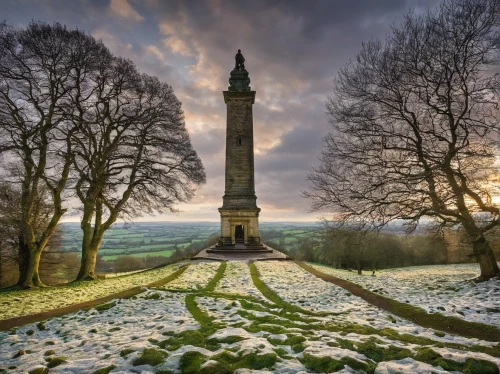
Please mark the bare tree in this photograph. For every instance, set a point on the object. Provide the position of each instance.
(40, 67)
(415, 122)
(12, 260)
(132, 152)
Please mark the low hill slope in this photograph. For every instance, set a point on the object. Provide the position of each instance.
(268, 316)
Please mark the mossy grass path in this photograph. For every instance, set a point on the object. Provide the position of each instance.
(233, 316)
(438, 321)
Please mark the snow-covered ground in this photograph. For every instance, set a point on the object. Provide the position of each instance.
(89, 340)
(195, 277)
(25, 302)
(239, 333)
(237, 280)
(299, 287)
(446, 289)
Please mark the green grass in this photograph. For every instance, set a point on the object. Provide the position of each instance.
(227, 362)
(149, 247)
(197, 338)
(190, 362)
(52, 362)
(373, 351)
(150, 356)
(218, 276)
(293, 232)
(41, 370)
(208, 327)
(125, 352)
(470, 366)
(329, 365)
(105, 370)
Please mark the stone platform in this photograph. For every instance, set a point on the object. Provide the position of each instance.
(239, 252)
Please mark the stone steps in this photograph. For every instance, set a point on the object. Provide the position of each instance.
(230, 250)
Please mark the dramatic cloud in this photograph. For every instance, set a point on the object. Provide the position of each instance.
(293, 50)
(123, 9)
(178, 45)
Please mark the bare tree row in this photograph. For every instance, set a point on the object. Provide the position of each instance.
(83, 124)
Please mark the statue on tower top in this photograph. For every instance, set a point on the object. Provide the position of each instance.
(239, 80)
(239, 61)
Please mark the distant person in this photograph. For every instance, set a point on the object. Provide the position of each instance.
(373, 273)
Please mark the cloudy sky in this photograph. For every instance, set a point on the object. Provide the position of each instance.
(293, 50)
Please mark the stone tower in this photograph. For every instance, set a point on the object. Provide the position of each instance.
(239, 212)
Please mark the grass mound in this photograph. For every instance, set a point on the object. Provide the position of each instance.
(150, 356)
(330, 365)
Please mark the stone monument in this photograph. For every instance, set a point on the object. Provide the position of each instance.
(239, 212)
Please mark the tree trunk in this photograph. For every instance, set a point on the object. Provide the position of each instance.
(90, 245)
(87, 266)
(23, 256)
(485, 258)
(31, 277)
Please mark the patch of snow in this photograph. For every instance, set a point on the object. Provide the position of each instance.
(320, 349)
(462, 356)
(407, 365)
(231, 331)
(195, 277)
(237, 280)
(280, 337)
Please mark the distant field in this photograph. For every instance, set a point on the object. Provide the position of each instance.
(142, 239)
(163, 238)
(166, 253)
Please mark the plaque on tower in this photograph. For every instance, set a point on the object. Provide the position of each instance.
(239, 213)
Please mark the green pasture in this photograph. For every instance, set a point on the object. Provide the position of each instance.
(294, 232)
(141, 248)
(165, 253)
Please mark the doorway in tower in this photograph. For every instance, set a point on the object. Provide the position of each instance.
(239, 234)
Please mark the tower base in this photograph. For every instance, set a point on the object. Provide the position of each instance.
(239, 226)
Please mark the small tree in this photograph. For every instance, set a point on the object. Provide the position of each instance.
(414, 125)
